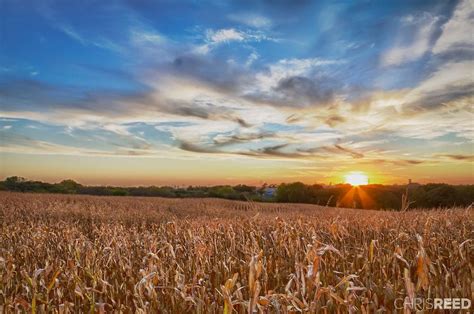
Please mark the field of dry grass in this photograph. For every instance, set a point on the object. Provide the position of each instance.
(62, 253)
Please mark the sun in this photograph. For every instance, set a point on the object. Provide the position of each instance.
(357, 178)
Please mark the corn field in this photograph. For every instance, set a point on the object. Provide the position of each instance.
(77, 254)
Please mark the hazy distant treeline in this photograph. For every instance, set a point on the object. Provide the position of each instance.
(372, 196)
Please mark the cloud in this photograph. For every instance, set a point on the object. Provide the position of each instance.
(117, 142)
(147, 37)
(285, 150)
(451, 81)
(226, 108)
(225, 35)
(197, 149)
(421, 29)
(269, 151)
(72, 33)
(251, 59)
(302, 91)
(398, 162)
(352, 152)
(457, 32)
(29, 96)
(458, 157)
(251, 19)
(334, 120)
(276, 151)
(211, 71)
(203, 110)
(87, 40)
(294, 83)
(224, 140)
(214, 38)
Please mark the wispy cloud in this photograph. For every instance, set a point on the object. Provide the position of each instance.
(457, 32)
(251, 19)
(69, 31)
(457, 157)
(147, 37)
(421, 29)
(214, 38)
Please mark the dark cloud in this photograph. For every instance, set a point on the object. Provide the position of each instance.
(218, 73)
(198, 149)
(335, 149)
(37, 96)
(409, 162)
(284, 150)
(334, 120)
(276, 151)
(397, 162)
(269, 151)
(242, 122)
(18, 94)
(322, 152)
(206, 110)
(457, 53)
(352, 152)
(236, 81)
(298, 92)
(459, 157)
(293, 118)
(242, 138)
(203, 111)
(439, 97)
(303, 91)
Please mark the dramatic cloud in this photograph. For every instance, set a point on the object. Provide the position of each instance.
(344, 85)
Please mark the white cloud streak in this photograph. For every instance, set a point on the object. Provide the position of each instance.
(417, 47)
(458, 31)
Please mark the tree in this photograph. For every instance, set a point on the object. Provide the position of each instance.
(295, 192)
(14, 183)
(68, 187)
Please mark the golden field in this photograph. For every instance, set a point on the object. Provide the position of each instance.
(63, 253)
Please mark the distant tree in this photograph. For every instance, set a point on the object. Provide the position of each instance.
(295, 192)
(442, 195)
(244, 188)
(119, 192)
(224, 191)
(14, 183)
(68, 187)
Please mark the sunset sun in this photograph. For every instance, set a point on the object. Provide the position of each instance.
(356, 178)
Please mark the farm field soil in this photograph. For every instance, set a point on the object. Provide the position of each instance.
(71, 253)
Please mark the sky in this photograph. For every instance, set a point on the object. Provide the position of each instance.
(223, 92)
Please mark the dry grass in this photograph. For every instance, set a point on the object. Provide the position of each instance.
(104, 254)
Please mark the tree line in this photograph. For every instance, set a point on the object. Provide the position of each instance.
(374, 196)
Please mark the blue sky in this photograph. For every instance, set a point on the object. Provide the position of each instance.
(314, 88)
